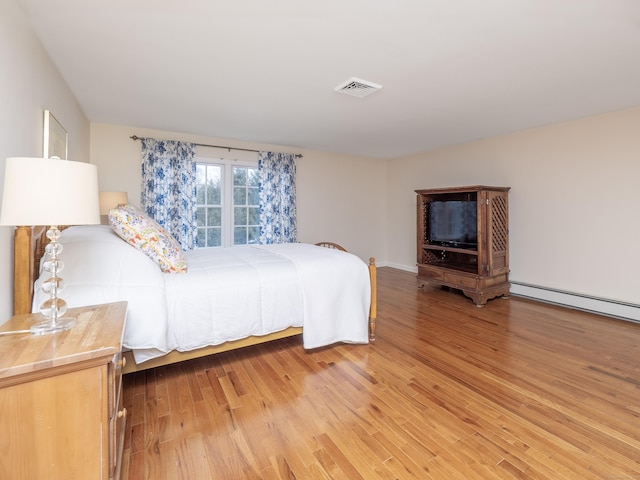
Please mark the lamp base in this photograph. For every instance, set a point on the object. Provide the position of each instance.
(50, 326)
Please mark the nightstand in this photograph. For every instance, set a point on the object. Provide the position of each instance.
(61, 397)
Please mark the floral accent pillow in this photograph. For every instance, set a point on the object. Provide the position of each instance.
(139, 230)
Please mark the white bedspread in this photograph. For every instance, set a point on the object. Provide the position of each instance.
(227, 294)
(231, 293)
(337, 293)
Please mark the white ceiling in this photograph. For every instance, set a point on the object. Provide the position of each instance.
(265, 71)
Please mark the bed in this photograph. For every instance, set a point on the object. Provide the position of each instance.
(328, 291)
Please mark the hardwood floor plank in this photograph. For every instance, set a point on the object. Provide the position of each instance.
(137, 467)
(516, 389)
(339, 458)
(331, 469)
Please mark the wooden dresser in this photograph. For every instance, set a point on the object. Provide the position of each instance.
(61, 414)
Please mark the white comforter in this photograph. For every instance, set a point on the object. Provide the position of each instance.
(227, 294)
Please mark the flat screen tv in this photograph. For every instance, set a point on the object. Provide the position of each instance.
(453, 223)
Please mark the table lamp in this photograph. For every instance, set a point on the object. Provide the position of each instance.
(50, 192)
(109, 200)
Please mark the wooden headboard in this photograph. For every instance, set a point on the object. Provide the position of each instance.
(28, 249)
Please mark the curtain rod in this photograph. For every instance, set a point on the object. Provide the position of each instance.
(297, 155)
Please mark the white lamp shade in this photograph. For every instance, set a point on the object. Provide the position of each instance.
(109, 200)
(48, 191)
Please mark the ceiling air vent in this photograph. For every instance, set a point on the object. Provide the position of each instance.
(357, 88)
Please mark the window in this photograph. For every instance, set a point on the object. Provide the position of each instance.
(227, 206)
(209, 204)
(246, 209)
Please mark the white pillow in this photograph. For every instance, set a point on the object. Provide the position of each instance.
(100, 268)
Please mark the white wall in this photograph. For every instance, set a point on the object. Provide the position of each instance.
(29, 84)
(339, 198)
(574, 201)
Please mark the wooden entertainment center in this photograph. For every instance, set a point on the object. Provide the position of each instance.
(479, 266)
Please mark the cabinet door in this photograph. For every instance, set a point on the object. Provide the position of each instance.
(421, 226)
(497, 228)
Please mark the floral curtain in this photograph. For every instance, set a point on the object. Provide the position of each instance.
(277, 190)
(169, 187)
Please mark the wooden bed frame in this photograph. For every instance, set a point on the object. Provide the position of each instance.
(29, 245)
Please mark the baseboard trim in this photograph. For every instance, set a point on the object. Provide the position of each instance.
(588, 303)
(406, 268)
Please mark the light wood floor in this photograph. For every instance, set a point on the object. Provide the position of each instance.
(516, 389)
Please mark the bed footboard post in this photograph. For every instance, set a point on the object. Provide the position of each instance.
(373, 308)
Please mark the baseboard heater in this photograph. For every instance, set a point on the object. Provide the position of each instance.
(603, 306)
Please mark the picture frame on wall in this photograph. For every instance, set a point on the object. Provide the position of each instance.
(55, 138)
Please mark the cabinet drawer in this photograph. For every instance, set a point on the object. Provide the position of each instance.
(117, 415)
(460, 280)
(447, 277)
(116, 438)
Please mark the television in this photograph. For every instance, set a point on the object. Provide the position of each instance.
(453, 223)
